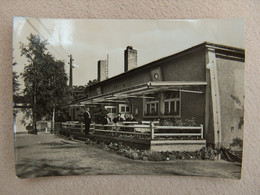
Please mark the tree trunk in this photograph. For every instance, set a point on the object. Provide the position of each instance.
(53, 119)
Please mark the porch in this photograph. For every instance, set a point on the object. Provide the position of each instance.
(150, 136)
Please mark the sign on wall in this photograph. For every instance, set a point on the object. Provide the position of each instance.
(156, 74)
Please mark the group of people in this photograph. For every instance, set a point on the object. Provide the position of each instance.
(118, 118)
(107, 120)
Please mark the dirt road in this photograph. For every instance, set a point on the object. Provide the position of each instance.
(46, 154)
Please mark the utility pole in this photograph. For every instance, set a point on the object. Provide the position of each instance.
(71, 71)
(107, 67)
(70, 81)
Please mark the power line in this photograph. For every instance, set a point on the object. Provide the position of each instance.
(43, 37)
(64, 50)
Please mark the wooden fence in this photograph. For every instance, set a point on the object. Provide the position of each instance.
(151, 131)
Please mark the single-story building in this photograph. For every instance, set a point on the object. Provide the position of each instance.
(203, 84)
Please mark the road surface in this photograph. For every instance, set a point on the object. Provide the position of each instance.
(47, 155)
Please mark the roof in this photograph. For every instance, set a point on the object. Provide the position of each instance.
(222, 51)
(143, 90)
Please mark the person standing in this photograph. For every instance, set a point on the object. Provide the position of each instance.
(87, 121)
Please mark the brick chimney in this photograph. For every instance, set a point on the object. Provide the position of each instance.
(102, 70)
(130, 58)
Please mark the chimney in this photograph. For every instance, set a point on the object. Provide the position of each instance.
(130, 58)
(102, 70)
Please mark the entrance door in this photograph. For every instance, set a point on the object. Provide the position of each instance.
(112, 111)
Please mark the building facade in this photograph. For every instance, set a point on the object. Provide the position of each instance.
(203, 85)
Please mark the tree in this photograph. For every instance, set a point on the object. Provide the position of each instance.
(79, 92)
(16, 85)
(44, 78)
(92, 82)
(98, 114)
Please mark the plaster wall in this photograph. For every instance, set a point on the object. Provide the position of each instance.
(231, 89)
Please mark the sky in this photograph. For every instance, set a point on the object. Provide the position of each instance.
(91, 40)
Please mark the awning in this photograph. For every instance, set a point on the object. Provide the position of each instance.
(142, 91)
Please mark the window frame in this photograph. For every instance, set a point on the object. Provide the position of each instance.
(177, 105)
(149, 102)
(125, 108)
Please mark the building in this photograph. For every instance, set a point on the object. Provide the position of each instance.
(204, 83)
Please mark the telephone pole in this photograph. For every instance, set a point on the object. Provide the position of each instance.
(107, 67)
(71, 71)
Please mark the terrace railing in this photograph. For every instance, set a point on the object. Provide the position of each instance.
(151, 131)
(176, 131)
(122, 129)
(72, 127)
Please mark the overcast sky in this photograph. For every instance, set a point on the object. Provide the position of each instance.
(90, 40)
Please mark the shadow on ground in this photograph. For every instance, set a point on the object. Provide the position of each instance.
(29, 169)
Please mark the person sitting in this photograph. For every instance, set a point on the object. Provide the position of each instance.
(132, 118)
(108, 120)
(118, 118)
(128, 117)
(115, 120)
(104, 120)
(123, 117)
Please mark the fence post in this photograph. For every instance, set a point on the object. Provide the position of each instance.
(81, 127)
(94, 128)
(201, 131)
(152, 130)
(116, 129)
(60, 126)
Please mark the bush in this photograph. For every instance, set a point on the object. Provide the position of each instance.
(98, 114)
(237, 142)
(156, 156)
(207, 153)
(178, 122)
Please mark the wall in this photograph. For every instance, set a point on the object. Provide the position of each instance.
(231, 88)
(193, 106)
(137, 104)
(121, 82)
(187, 67)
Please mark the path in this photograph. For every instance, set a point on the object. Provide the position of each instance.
(46, 154)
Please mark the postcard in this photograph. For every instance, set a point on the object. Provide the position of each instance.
(128, 97)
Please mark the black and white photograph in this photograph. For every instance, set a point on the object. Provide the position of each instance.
(128, 97)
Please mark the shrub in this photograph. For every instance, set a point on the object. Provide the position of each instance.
(237, 142)
(207, 153)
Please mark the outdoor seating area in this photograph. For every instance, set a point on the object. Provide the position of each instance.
(165, 136)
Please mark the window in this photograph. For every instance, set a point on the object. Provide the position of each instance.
(152, 106)
(124, 108)
(113, 110)
(172, 103)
